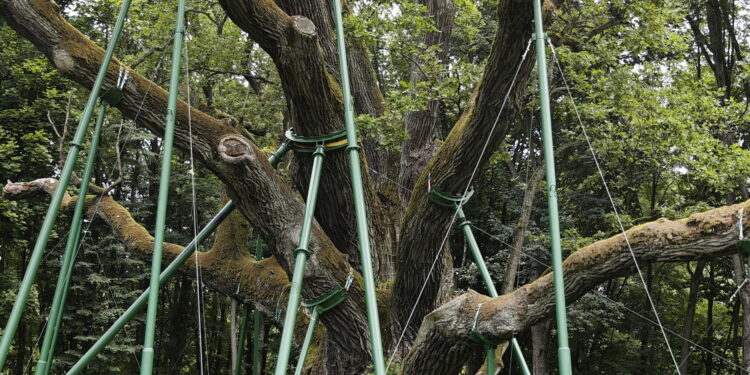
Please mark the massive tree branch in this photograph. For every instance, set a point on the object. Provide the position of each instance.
(450, 169)
(261, 282)
(444, 333)
(299, 39)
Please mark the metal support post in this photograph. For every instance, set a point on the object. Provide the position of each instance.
(257, 317)
(301, 254)
(563, 353)
(363, 234)
(49, 220)
(139, 303)
(308, 339)
(147, 359)
(479, 261)
(71, 248)
(241, 343)
(257, 323)
(490, 349)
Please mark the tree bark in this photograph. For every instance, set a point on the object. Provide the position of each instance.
(420, 125)
(540, 337)
(687, 330)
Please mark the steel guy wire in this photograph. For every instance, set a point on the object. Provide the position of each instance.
(198, 272)
(455, 212)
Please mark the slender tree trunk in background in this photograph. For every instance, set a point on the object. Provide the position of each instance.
(654, 185)
(687, 330)
(233, 335)
(220, 353)
(646, 364)
(179, 313)
(420, 125)
(540, 338)
(709, 339)
(21, 351)
(738, 264)
(514, 259)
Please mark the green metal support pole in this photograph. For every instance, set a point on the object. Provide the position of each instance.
(479, 261)
(241, 343)
(519, 356)
(147, 359)
(139, 303)
(490, 359)
(71, 247)
(363, 235)
(563, 353)
(49, 220)
(257, 317)
(257, 322)
(308, 339)
(287, 333)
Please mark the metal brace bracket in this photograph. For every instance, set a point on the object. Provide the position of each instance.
(333, 141)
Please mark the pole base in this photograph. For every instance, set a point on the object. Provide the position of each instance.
(147, 361)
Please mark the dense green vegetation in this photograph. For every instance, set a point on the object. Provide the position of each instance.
(662, 87)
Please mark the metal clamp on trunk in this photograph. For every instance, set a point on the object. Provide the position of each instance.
(333, 141)
(484, 339)
(327, 301)
(441, 198)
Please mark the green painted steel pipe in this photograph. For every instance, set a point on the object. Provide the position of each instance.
(474, 247)
(139, 303)
(563, 353)
(287, 333)
(308, 339)
(147, 359)
(371, 302)
(491, 367)
(519, 356)
(71, 248)
(49, 220)
(479, 261)
(257, 317)
(241, 343)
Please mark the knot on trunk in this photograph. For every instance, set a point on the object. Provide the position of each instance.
(62, 59)
(234, 149)
(304, 26)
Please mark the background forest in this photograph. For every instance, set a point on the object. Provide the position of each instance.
(662, 86)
